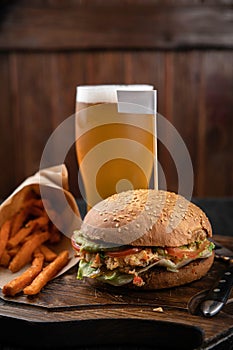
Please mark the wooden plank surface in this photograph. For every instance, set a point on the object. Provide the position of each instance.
(31, 111)
(139, 25)
(216, 123)
(194, 93)
(76, 307)
(6, 126)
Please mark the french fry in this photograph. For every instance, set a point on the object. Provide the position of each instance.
(47, 274)
(24, 255)
(20, 217)
(36, 211)
(33, 202)
(5, 259)
(21, 234)
(55, 235)
(19, 283)
(24, 232)
(49, 255)
(45, 203)
(42, 221)
(19, 220)
(39, 203)
(4, 235)
(12, 252)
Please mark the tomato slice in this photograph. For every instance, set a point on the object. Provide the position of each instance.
(138, 281)
(181, 253)
(75, 245)
(120, 253)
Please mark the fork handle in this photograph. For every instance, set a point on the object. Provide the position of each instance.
(218, 294)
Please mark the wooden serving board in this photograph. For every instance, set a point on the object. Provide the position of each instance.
(72, 312)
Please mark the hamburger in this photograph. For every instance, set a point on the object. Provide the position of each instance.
(149, 239)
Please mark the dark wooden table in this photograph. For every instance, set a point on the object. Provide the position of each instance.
(69, 314)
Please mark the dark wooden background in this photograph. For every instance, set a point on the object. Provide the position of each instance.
(182, 47)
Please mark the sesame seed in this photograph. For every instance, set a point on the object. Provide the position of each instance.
(137, 225)
(117, 224)
(105, 219)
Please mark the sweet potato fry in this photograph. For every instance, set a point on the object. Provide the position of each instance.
(4, 235)
(25, 231)
(21, 234)
(12, 252)
(45, 202)
(19, 220)
(38, 203)
(42, 221)
(47, 274)
(24, 255)
(33, 202)
(19, 283)
(49, 255)
(5, 259)
(36, 211)
(20, 217)
(55, 234)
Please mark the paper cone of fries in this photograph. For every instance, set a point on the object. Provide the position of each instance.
(37, 220)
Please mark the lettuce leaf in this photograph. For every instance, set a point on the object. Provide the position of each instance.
(115, 278)
(85, 243)
(94, 246)
(85, 270)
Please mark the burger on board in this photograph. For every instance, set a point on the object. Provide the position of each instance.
(147, 238)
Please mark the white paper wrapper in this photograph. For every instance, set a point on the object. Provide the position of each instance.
(52, 184)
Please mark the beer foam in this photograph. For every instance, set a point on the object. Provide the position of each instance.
(106, 93)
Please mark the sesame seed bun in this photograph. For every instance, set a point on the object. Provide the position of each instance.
(146, 218)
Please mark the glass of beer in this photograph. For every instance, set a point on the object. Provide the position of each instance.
(116, 151)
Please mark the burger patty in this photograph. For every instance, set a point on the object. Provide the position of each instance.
(142, 258)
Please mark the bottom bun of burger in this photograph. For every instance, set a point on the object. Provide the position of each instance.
(160, 278)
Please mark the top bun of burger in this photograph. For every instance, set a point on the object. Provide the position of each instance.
(146, 218)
